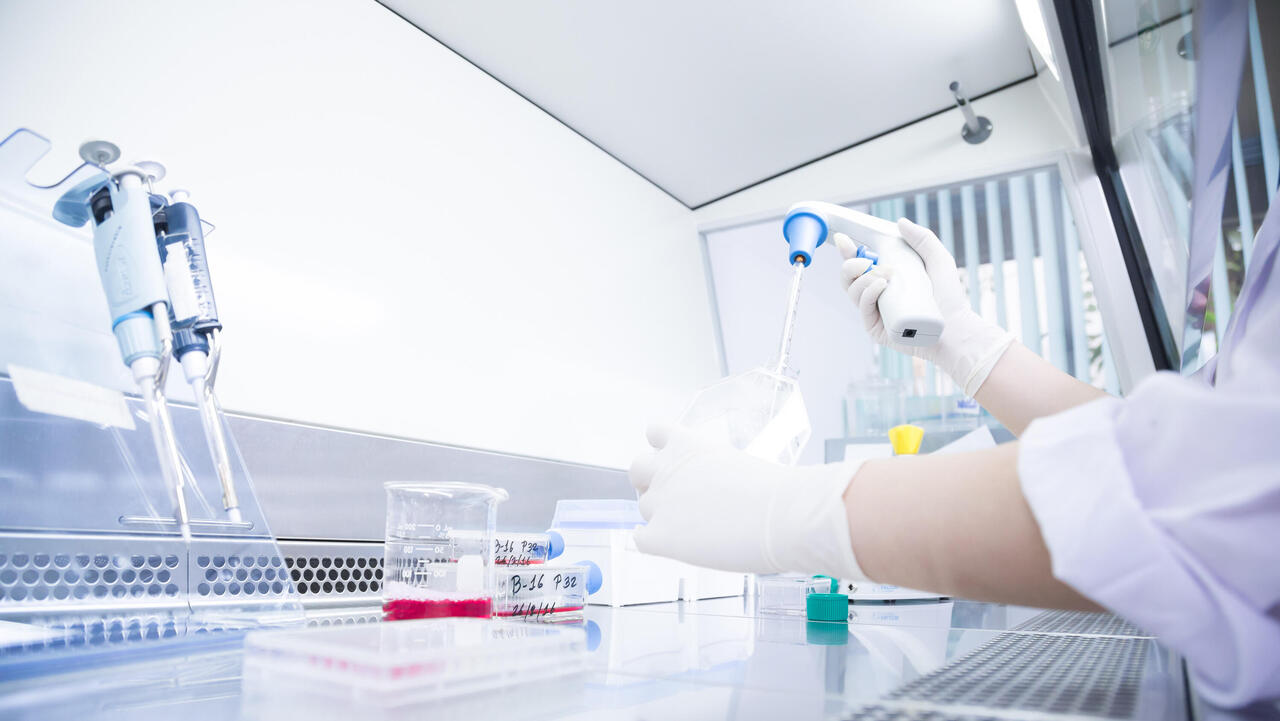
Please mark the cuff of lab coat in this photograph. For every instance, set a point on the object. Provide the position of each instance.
(1073, 476)
(1104, 544)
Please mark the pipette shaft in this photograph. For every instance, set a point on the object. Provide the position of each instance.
(146, 371)
(194, 365)
(789, 323)
(170, 464)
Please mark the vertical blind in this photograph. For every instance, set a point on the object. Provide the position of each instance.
(1020, 262)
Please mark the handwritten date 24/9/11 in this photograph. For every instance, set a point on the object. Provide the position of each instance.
(526, 582)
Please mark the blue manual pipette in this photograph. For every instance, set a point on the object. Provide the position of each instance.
(132, 278)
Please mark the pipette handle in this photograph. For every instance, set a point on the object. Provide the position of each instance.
(124, 244)
(911, 316)
(181, 242)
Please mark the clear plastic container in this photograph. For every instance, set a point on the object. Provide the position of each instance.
(545, 592)
(760, 412)
(785, 594)
(523, 549)
(391, 664)
(439, 550)
(597, 513)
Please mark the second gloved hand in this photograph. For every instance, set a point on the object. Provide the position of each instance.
(969, 346)
(712, 505)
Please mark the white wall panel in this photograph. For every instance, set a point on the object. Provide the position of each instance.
(403, 245)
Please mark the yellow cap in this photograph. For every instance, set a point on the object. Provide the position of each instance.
(906, 439)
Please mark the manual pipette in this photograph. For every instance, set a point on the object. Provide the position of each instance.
(131, 274)
(194, 318)
(907, 307)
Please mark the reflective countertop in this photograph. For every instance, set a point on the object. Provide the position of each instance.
(716, 659)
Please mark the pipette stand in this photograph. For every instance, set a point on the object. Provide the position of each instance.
(90, 550)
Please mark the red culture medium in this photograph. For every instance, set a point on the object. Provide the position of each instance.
(403, 609)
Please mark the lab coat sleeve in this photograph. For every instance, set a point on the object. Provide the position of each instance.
(1164, 507)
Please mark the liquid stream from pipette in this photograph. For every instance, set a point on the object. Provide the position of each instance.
(789, 323)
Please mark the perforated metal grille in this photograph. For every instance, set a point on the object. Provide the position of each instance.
(37, 574)
(878, 712)
(332, 575)
(1083, 675)
(1080, 622)
(244, 575)
(346, 619)
(346, 571)
(62, 573)
(96, 630)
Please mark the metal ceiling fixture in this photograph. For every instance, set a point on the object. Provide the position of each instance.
(977, 128)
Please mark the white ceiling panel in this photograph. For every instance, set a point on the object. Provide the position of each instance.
(707, 97)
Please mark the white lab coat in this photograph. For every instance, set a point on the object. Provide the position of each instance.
(1164, 507)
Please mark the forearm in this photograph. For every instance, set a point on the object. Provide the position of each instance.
(1023, 387)
(956, 524)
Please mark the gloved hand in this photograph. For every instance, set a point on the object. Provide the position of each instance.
(712, 505)
(969, 346)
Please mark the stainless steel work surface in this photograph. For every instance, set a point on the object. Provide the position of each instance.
(719, 659)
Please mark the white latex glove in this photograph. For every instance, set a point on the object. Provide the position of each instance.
(712, 505)
(969, 345)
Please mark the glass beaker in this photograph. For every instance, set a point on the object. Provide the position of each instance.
(439, 550)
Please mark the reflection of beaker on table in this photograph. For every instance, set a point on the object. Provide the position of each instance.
(761, 412)
(439, 550)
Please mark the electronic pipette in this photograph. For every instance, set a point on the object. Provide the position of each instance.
(193, 315)
(910, 315)
(129, 267)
